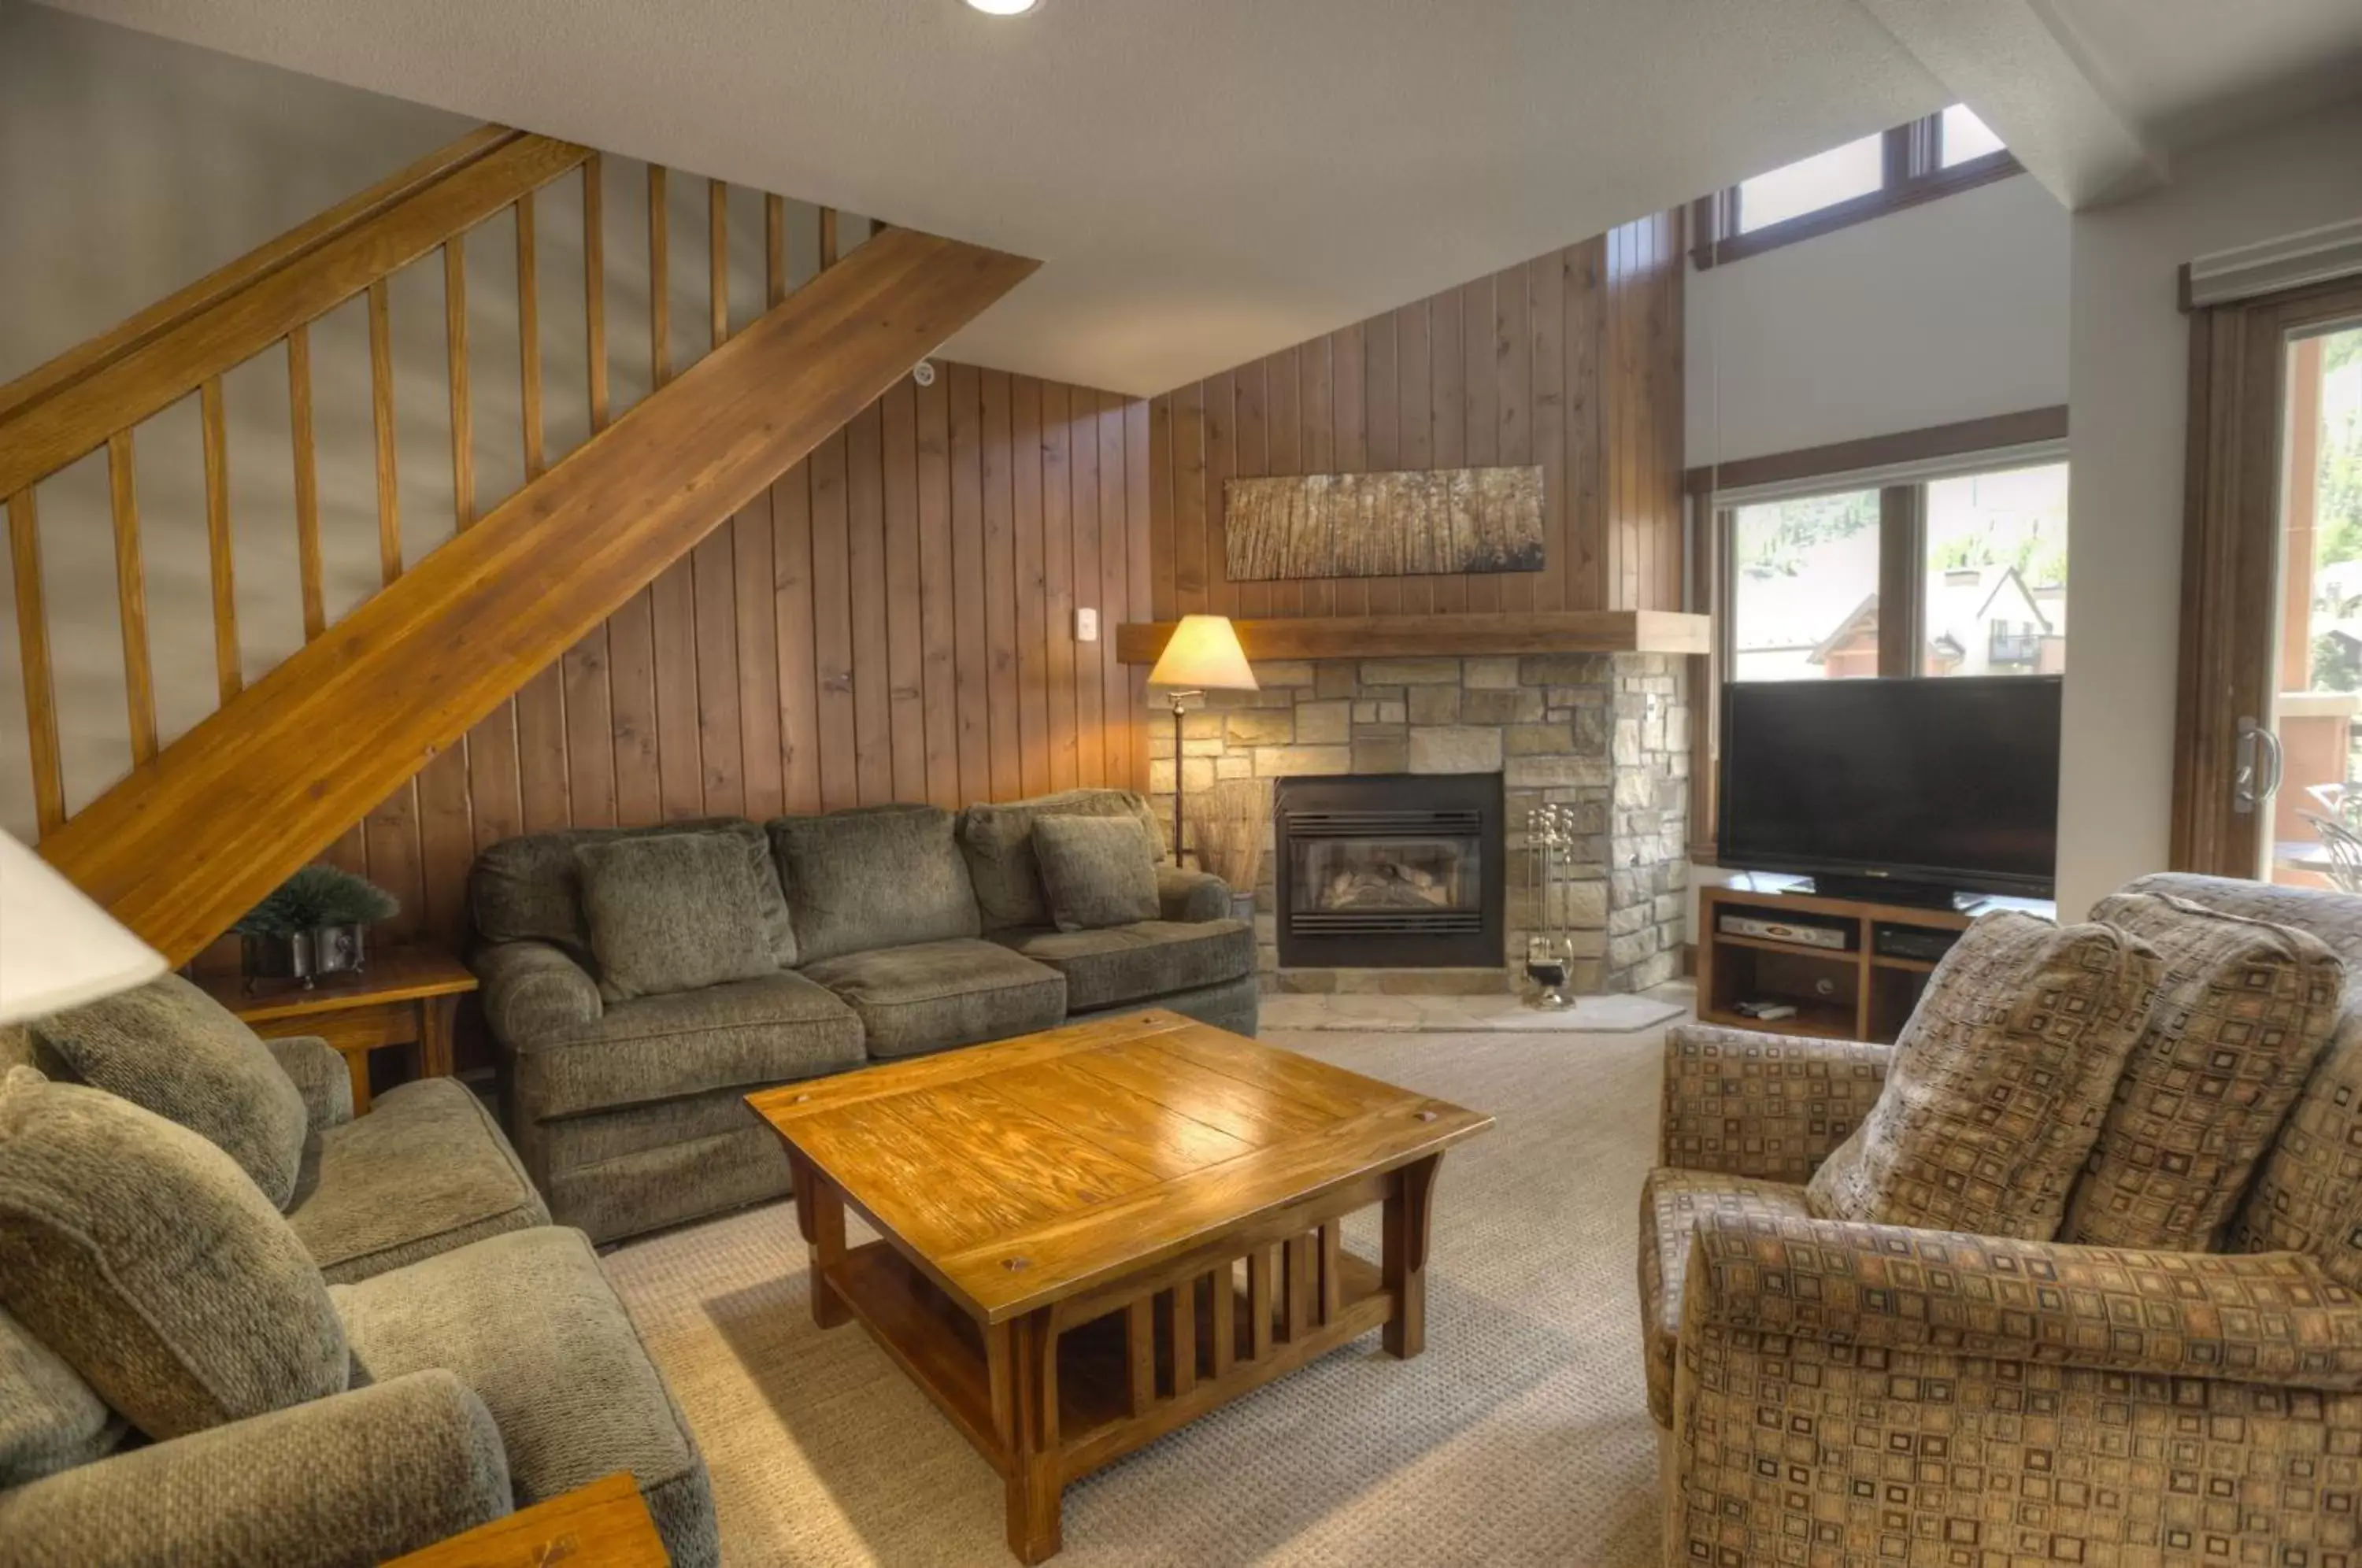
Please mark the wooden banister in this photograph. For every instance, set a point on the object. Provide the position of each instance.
(58, 414)
(191, 839)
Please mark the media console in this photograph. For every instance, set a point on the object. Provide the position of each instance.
(1852, 968)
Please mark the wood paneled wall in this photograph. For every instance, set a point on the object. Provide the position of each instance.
(1572, 360)
(892, 620)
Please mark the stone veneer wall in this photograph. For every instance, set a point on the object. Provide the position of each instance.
(1608, 733)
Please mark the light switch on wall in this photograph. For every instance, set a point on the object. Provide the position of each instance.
(1086, 624)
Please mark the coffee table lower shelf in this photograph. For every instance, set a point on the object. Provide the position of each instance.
(1050, 1396)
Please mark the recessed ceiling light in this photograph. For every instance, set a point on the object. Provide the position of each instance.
(1004, 8)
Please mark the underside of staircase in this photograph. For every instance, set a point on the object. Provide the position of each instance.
(201, 829)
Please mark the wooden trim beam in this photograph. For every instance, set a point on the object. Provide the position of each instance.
(75, 416)
(177, 852)
(1443, 635)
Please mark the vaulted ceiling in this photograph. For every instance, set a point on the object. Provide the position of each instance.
(1210, 180)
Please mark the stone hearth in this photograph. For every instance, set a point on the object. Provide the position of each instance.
(1607, 733)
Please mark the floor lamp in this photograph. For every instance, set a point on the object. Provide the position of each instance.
(58, 950)
(1203, 656)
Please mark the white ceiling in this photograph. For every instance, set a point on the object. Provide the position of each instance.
(1208, 181)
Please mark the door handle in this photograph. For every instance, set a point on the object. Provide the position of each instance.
(2256, 768)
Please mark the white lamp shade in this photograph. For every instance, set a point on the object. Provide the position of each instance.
(1204, 653)
(57, 948)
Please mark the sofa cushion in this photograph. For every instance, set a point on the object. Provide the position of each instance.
(170, 1047)
(1235, 1005)
(934, 995)
(1999, 1082)
(1139, 962)
(529, 888)
(873, 877)
(425, 1171)
(49, 1419)
(2244, 1010)
(1671, 1204)
(745, 1034)
(675, 911)
(2307, 1195)
(1096, 871)
(997, 839)
(143, 1255)
(528, 1321)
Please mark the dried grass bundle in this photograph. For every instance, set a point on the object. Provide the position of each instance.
(1230, 823)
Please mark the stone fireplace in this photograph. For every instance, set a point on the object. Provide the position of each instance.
(1390, 870)
(1606, 734)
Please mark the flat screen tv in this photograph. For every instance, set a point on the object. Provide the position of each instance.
(1909, 790)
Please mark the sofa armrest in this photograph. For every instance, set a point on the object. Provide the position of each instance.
(321, 1078)
(2268, 1318)
(534, 991)
(1192, 896)
(1767, 1107)
(351, 1479)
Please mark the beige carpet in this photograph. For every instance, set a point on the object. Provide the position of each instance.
(1520, 1436)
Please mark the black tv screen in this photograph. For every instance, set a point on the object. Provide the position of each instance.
(1948, 782)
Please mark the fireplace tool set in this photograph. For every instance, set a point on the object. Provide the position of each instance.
(1550, 844)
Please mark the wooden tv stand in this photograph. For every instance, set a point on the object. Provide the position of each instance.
(1856, 993)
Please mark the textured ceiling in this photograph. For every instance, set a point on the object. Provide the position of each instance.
(1206, 181)
(2191, 69)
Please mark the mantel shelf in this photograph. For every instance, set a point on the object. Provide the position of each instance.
(1396, 636)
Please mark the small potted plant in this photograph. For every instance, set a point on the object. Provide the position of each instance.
(312, 924)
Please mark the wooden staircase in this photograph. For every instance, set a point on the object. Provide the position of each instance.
(203, 828)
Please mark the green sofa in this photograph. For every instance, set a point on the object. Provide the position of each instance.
(860, 935)
(239, 1326)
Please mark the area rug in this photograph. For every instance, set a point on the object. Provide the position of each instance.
(1522, 1436)
(1367, 1013)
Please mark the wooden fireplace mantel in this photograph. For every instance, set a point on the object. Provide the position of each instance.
(1396, 636)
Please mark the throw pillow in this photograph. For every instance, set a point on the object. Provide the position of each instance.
(673, 913)
(997, 839)
(49, 1419)
(1098, 871)
(874, 876)
(145, 1258)
(2243, 1013)
(1999, 1083)
(174, 1050)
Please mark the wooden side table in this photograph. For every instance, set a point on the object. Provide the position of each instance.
(604, 1525)
(408, 996)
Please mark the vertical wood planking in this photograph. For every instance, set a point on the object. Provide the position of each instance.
(721, 755)
(1029, 585)
(33, 662)
(1249, 444)
(1586, 427)
(1481, 422)
(1547, 294)
(389, 491)
(221, 570)
(1381, 418)
(832, 586)
(1320, 442)
(906, 708)
(1447, 328)
(1413, 396)
(1349, 370)
(1130, 682)
(1116, 727)
(791, 565)
(1160, 461)
(1083, 519)
(308, 570)
(1187, 532)
(752, 541)
(865, 498)
(1513, 395)
(543, 776)
(131, 598)
(583, 673)
(1284, 444)
(999, 589)
(1069, 661)
(681, 762)
(971, 659)
(938, 631)
(1222, 462)
(632, 699)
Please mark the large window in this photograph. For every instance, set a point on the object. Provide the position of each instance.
(1977, 561)
(1948, 151)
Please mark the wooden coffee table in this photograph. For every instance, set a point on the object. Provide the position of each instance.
(1066, 1215)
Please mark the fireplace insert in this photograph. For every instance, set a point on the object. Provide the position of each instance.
(1385, 872)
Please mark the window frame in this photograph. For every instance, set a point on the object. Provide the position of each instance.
(2009, 440)
(1914, 173)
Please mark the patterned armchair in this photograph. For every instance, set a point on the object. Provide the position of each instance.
(1838, 1394)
